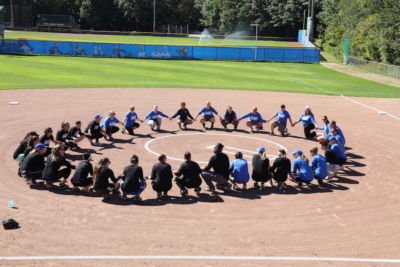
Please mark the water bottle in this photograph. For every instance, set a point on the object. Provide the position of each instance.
(11, 203)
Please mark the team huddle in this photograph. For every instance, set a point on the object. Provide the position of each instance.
(37, 161)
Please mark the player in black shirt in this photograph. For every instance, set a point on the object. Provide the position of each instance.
(102, 174)
(220, 175)
(229, 118)
(47, 138)
(188, 176)
(76, 134)
(62, 136)
(133, 181)
(19, 152)
(260, 165)
(52, 172)
(281, 168)
(185, 117)
(161, 176)
(93, 131)
(81, 176)
(33, 164)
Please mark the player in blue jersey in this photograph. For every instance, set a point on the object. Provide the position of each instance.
(318, 165)
(154, 120)
(108, 125)
(255, 120)
(308, 121)
(130, 123)
(281, 121)
(323, 135)
(301, 172)
(208, 115)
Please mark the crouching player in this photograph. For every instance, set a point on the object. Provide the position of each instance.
(33, 164)
(188, 176)
(133, 181)
(301, 171)
(80, 177)
(281, 121)
(239, 171)
(319, 166)
(229, 118)
(255, 120)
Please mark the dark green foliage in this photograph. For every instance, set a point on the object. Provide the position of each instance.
(373, 26)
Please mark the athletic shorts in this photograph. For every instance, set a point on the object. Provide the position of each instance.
(281, 127)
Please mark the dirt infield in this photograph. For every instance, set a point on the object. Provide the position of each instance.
(355, 216)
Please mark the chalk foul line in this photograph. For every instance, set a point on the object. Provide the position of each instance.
(230, 258)
(331, 93)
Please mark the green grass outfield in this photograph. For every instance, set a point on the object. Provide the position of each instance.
(19, 72)
(136, 39)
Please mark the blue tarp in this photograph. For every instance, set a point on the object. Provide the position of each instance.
(275, 54)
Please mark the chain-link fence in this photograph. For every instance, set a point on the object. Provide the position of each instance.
(375, 67)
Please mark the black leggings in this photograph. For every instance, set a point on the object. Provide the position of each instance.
(130, 129)
(112, 129)
(95, 135)
(307, 131)
(183, 184)
(63, 173)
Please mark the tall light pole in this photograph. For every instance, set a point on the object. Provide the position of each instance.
(154, 15)
(12, 13)
(256, 49)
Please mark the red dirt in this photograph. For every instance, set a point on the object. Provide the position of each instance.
(356, 216)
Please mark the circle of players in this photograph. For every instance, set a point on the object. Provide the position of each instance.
(37, 161)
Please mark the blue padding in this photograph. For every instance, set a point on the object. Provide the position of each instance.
(274, 54)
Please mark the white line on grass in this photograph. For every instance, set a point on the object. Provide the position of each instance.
(230, 258)
(331, 93)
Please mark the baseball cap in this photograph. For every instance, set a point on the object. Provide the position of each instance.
(219, 146)
(283, 106)
(260, 149)
(48, 129)
(98, 116)
(297, 151)
(78, 122)
(40, 146)
(87, 156)
(331, 138)
(307, 107)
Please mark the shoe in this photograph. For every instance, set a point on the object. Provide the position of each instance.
(137, 199)
(244, 186)
(320, 182)
(204, 126)
(235, 126)
(212, 126)
(185, 127)
(256, 186)
(124, 197)
(271, 134)
(98, 144)
(159, 195)
(197, 191)
(184, 193)
(215, 198)
(225, 127)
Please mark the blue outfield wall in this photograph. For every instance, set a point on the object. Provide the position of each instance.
(274, 54)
